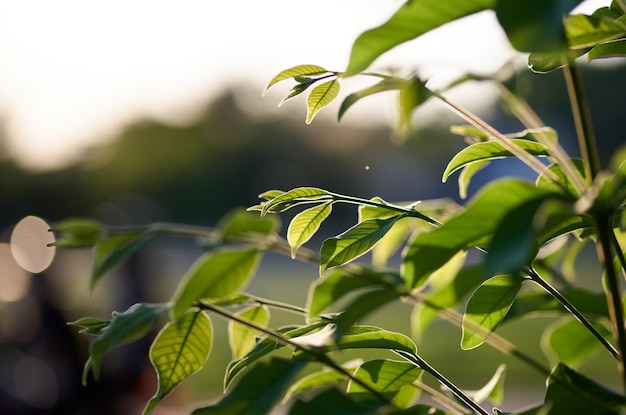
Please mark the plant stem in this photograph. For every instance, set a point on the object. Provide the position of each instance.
(535, 277)
(582, 120)
(279, 305)
(419, 362)
(613, 291)
(317, 355)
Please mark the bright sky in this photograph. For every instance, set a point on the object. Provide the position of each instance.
(74, 72)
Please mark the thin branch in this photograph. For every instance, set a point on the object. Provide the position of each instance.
(421, 363)
(315, 354)
(536, 278)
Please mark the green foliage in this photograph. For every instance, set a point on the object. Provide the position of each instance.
(523, 239)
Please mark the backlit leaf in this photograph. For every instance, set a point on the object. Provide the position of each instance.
(413, 19)
(355, 242)
(294, 197)
(548, 62)
(76, 233)
(321, 96)
(490, 150)
(242, 339)
(493, 390)
(332, 287)
(299, 70)
(535, 25)
(567, 186)
(371, 337)
(587, 31)
(385, 376)
(304, 225)
(569, 392)
(586, 302)
(389, 84)
(613, 49)
(466, 176)
(216, 274)
(240, 222)
(178, 351)
(125, 327)
(258, 390)
(333, 402)
(487, 308)
(569, 342)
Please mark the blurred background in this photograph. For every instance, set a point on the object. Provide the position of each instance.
(137, 112)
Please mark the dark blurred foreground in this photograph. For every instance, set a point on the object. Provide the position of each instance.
(196, 173)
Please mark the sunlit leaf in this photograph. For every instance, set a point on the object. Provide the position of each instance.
(548, 62)
(389, 84)
(430, 250)
(90, 325)
(295, 197)
(613, 49)
(413, 94)
(487, 308)
(332, 287)
(385, 376)
(216, 274)
(242, 339)
(258, 390)
(586, 302)
(569, 392)
(320, 378)
(125, 327)
(371, 337)
(566, 185)
(445, 296)
(587, 31)
(178, 351)
(264, 347)
(321, 96)
(413, 19)
(304, 225)
(569, 342)
(466, 176)
(115, 249)
(493, 390)
(490, 150)
(355, 242)
(299, 70)
(535, 25)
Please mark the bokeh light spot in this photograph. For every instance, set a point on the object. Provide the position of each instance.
(29, 241)
(14, 281)
(36, 383)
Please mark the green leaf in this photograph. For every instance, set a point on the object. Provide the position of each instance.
(76, 233)
(586, 302)
(487, 308)
(535, 25)
(295, 197)
(125, 327)
(361, 306)
(430, 250)
(115, 249)
(569, 342)
(216, 274)
(178, 351)
(240, 222)
(385, 376)
(587, 31)
(304, 225)
(318, 379)
(258, 390)
(321, 96)
(264, 347)
(466, 176)
(329, 289)
(571, 393)
(371, 337)
(413, 19)
(493, 390)
(355, 242)
(242, 339)
(90, 325)
(299, 70)
(413, 94)
(333, 402)
(446, 296)
(490, 150)
(389, 84)
(545, 183)
(614, 49)
(548, 62)
(514, 242)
